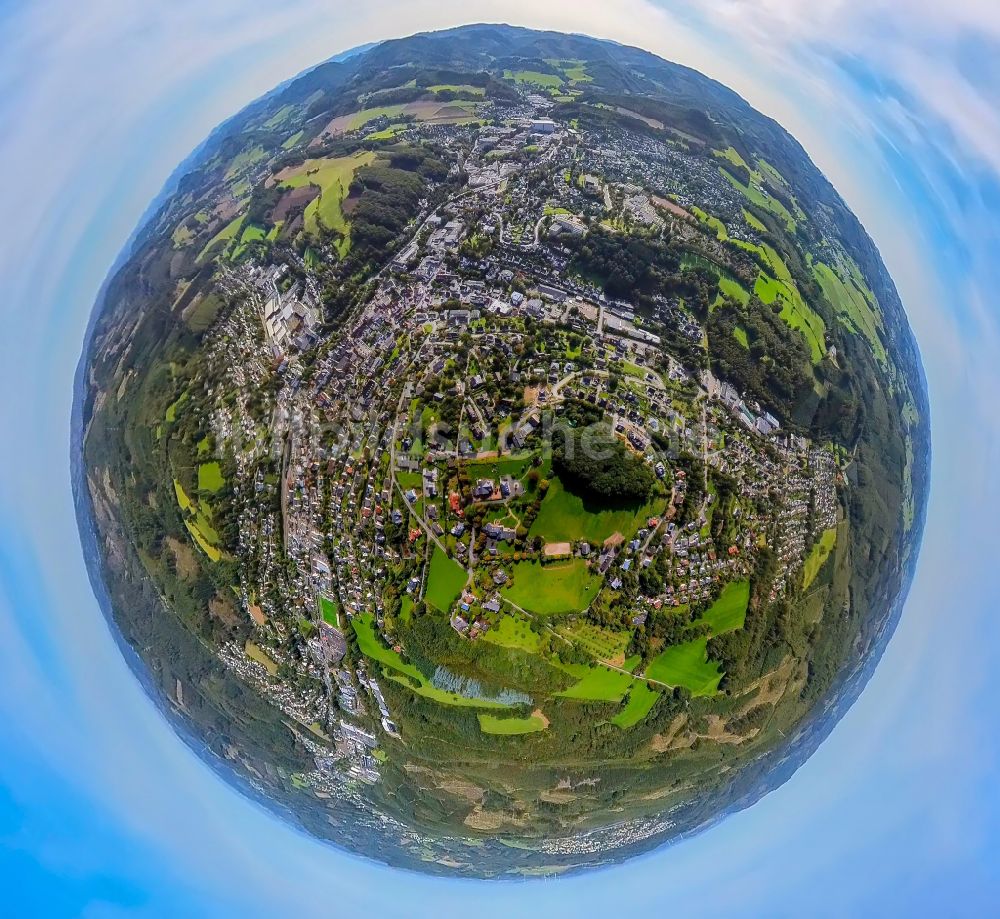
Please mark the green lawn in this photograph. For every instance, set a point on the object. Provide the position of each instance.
(445, 580)
(740, 334)
(564, 518)
(641, 700)
(566, 587)
(491, 724)
(795, 311)
(600, 685)
(728, 613)
(732, 155)
(515, 466)
(210, 477)
(687, 665)
(818, 556)
(511, 632)
(439, 695)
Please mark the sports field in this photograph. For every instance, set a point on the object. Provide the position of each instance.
(566, 587)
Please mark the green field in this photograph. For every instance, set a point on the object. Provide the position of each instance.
(817, 556)
(714, 223)
(795, 311)
(328, 609)
(601, 643)
(409, 676)
(728, 613)
(564, 518)
(754, 222)
(244, 160)
(600, 685)
(765, 202)
(853, 307)
(457, 88)
(511, 632)
(740, 334)
(200, 528)
(210, 477)
(514, 466)
(566, 587)
(292, 141)
(492, 724)
(227, 234)
(733, 156)
(641, 700)
(333, 177)
(687, 665)
(730, 287)
(445, 581)
(545, 80)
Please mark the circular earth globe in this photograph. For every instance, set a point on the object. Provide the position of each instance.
(504, 451)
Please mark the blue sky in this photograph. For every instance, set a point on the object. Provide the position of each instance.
(103, 810)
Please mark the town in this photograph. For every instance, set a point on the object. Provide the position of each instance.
(406, 462)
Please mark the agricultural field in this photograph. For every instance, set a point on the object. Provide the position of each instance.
(728, 613)
(687, 665)
(494, 724)
(450, 112)
(564, 587)
(603, 644)
(333, 177)
(853, 307)
(445, 581)
(197, 518)
(817, 556)
(545, 80)
(640, 702)
(600, 684)
(407, 674)
(762, 200)
(210, 477)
